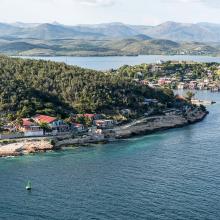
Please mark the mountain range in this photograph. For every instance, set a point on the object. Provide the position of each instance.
(200, 32)
(109, 39)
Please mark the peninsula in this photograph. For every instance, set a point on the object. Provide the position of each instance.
(46, 106)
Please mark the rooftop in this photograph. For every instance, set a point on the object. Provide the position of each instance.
(44, 119)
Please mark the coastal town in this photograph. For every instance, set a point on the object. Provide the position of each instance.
(41, 133)
(178, 75)
(109, 110)
(44, 125)
(89, 124)
(132, 100)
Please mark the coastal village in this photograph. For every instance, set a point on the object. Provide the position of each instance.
(178, 75)
(44, 133)
(49, 131)
(41, 133)
(45, 125)
(94, 124)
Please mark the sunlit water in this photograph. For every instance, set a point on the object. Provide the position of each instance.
(106, 63)
(171, 175)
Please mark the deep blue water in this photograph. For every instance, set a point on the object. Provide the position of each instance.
(171, 175)
(106, 63)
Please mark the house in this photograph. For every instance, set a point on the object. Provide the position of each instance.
(104, 123)
(91, 116)
(144, 82)
(156, 68)
(139, 75)
(206, 81)
(164, 81)
(189, 74)
(161, 81)
(181, 85)
(160, 62)
(201, 86)
(9, 127)
(209, 73)
(126, 112)
(30, 128)
(192, 85)
(150, 101)
(153, 85)
(77, 127)
(56, 125)
(95, 131)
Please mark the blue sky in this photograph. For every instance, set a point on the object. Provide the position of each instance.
(144, 12)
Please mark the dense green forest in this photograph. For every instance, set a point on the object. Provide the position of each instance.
(29, 86)
(190, 70)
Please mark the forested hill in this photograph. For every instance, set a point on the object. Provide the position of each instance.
(29, 86)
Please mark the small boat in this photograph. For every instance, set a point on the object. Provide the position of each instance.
(28, 186)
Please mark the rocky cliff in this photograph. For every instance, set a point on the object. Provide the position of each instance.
(152, 124)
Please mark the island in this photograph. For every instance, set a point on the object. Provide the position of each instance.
(46, 105)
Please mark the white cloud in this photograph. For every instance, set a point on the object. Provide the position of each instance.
(96, 2)
(82, 2)
(211, 3)
(145, 12)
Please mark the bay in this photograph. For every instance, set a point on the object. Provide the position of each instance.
(106, 63)
(173, 174)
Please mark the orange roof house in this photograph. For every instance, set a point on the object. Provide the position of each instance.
(44, 119)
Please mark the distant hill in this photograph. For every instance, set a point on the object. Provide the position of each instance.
(16, 47)
(116, 30)
(137, 45)
(55, 30)
(199, 32)
(51, 31)
(109, 39)
(141, 37)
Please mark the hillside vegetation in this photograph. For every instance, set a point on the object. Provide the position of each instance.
(28, 87)
(137, 45)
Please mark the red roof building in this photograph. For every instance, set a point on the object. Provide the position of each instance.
(26, 122)
(44, 119)
(29, 126)
(55, 124)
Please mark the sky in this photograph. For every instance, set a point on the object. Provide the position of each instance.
(141, 12)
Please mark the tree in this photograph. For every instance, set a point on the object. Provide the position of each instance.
(189, 96)
(19, 122)
(81, 120)
(45, 127)
(29, 87)
(88, 121)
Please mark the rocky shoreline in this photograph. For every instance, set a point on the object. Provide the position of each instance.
(142, 126)
(25, 147)
(154, 124)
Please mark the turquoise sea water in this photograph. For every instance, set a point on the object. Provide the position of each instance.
(171, 175)
(106, 63)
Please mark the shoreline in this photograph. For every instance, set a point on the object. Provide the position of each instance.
(155, 124)
(108, 55)
(140, 127)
